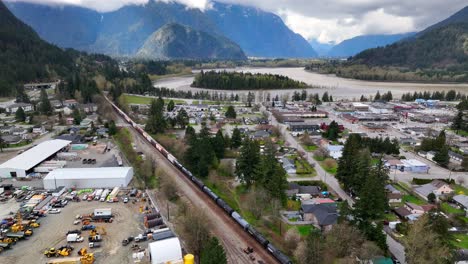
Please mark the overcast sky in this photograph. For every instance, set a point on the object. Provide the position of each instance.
(325, 20)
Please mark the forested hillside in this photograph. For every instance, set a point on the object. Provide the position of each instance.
(24, 57)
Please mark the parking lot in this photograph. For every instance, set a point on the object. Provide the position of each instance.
(52, 233)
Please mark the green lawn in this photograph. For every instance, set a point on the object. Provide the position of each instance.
(391, 217)
(460, 240)
(134, 99)
(310, 148)
(412, 199)
(459, 189)
(304, 230)
(446, 208)
(331, 170)
(303, 167)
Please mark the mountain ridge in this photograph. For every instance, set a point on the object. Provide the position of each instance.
(124, 31)
(176, 41)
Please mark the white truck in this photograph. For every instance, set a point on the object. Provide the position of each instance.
(104, 195)
(97, 196)
(113, 195)
(74, 238)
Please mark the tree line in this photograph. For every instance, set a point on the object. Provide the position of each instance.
(460, 122)
(451, 95)
(439, 145)
(242, 81)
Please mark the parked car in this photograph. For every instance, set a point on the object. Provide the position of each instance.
(54, 211)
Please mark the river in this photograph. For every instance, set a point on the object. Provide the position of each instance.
(339, 88)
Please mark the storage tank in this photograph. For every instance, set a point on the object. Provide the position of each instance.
(152, 216)
(153, 223)
(189, 259)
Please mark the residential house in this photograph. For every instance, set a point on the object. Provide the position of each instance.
(19, 131)
(67, 110)
(102, 131)
(391, 189)
(288, 165)
(74, 130)
(335, 151)
(293, 189)
(69, 121)
(413, 211)
(74, 138)
(260, 134)
(56, 103)
(10, 139)
(71, 103)
(89, 108)
(86, 122)
(314, 191)
(408, 141)
(7, 129)
(436, 187)
(461, 200)
(14, 107)
(455, 157)
(394, 197)
(38, 130)
(303, 126)
(324, 216)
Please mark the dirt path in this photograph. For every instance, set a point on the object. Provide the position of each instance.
(223, 227)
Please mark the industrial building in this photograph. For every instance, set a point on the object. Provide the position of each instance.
(23, 164)
(81, 178)
(165, 251)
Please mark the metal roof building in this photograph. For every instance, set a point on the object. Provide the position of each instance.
(20, 165)
(104, 177)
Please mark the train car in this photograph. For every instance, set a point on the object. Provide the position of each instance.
(210, 193)
(241, 221)
(171, 158)
(198, 182)
(259, 237)
(187, 173)
(178, 165)
(225, 206)
(283, 259)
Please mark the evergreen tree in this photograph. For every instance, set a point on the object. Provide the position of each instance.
(170, 106)
(333, 131)
(231, 112)
(213, 253)
(464, 163)
(156, 122)
(236, 139)
(458, 122)
(377, 96)
(346, 164)
(442, 157)
(190, 133)
(182, 118)
(330, 98)
(112, 128)
(45, 107)
(248, 159)
(314, 248)
(20, 115)
(440, 140)
(76, 116)
(219, 144)
(21, 95)
(325, 97)
(2, 143)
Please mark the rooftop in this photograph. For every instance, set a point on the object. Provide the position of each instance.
(89, 173)
(30, 158)
(413, 162)
(165, 251)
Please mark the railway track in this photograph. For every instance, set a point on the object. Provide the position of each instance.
(223, 226)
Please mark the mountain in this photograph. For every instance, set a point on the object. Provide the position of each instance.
(124, 31)
(322, 49)
(175, 41)
(24, 56)
(353, 46)
(259, 33)
(442, 45)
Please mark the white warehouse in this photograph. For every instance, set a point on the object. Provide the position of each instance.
(80, 178)
(24, 163)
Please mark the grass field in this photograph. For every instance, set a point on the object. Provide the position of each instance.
(304, 230)
(412, 199)
(134, 99)
(459, 189)
(446, 208)
(460, 240)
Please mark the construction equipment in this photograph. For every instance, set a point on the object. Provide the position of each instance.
(83, 251)
(86, 259)
(99, 230)
(64, 251)
(51, 252)
(17, 226)
(28, 232)
(34, 224)
(8, 240)
(96, 238)
(94, 244)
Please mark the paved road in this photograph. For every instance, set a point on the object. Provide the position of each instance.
(395, 247)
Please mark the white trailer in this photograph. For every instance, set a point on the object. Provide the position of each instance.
(97, 196)
(104, 195)
(113, 195)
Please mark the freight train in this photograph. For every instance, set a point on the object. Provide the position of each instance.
(282, 258)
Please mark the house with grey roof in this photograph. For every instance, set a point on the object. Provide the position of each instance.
(288, 165)
(324, 216)
(461, 200)
(455, 157)
(436, 187)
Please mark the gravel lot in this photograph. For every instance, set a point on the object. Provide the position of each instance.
(127, 222)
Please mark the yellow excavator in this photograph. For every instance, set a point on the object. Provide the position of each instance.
(99, 230)
(34, 224)
(86, 259)
(8, 240)
(18, 226)
(51, 252)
